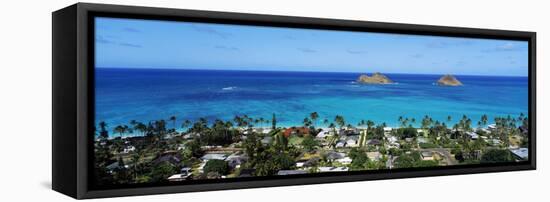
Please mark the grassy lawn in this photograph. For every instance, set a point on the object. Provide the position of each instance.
(295, 140)
(308, 156)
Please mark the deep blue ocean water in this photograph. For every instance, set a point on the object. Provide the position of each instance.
(151, 94)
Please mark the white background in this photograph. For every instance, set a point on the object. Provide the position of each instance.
(25, 100)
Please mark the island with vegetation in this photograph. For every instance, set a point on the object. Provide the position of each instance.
(448, 80)
(172, 150)
(376, 78)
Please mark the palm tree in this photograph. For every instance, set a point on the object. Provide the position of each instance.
(238, 120)
(261, 120)
(173, 119)
(136, 156)
(140, 127)
(273, 122)
(307, 122)
(103, 133)
(340, 121)
(314, 116)
(186, 124)
(326, 122)
(369, 124)
(404, 122)
(121, 129)
(449, 118)
(484, 119)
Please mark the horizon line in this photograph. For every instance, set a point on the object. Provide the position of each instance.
(436, 74)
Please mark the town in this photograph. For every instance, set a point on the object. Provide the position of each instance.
(172, 150)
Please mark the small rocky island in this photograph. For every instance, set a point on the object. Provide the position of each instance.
(376, 78)
(448, 80)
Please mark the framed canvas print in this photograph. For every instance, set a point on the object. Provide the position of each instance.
(154, 100)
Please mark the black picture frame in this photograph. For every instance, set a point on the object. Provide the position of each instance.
(73, 98)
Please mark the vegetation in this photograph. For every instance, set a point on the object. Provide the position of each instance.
(139, 152)
(218, 166)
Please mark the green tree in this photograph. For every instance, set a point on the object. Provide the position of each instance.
(359, 159)
(314, 116)
(404, 161)
(173, 119)
(496, 155)
(162, 171)
(284, 161)
(194, 148)
(103, 133)
(216, 165)
(309, 143)
(273, 122)
(121, 129)
(340, 121)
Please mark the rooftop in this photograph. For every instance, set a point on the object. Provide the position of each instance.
(522, 153)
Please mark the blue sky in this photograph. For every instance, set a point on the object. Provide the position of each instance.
(129, 43)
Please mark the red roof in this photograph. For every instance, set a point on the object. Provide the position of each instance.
(294, 130)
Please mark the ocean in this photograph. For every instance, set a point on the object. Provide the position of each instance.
(152, 94)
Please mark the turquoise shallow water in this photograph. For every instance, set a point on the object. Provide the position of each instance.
(151, 94)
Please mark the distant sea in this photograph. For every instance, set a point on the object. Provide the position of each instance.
(151, 94)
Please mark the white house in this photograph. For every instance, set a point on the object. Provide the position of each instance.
(184, 174)
(324, 133)
(346, 160)
(340, 144)
(473, 135)
(333, 169)
(520, 153)
(211, 156)
(351, 142)
(129, 149)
